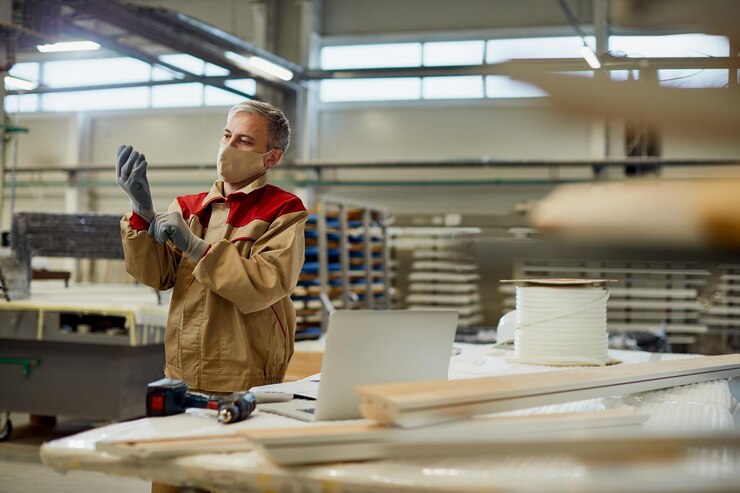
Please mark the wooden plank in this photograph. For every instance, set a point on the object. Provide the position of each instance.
(713, 111)
(158, 448)
(369, 441)
(609, 445)
(422, 403)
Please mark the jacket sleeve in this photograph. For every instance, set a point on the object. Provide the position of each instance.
(268, 275)
(149, 262)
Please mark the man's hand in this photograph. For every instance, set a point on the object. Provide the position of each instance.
(131, 177)
(171, 226)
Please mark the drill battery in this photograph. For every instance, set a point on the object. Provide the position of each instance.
(167, 397)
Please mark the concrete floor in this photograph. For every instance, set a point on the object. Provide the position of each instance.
(21, 470)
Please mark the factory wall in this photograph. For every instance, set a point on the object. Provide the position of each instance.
(371, 133)
(347, 132)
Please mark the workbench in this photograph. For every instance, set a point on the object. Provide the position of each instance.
(85, 351)
(704, 406)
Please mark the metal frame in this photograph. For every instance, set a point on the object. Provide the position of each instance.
(369, 212)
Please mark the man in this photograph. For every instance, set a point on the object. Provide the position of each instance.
(232, 255)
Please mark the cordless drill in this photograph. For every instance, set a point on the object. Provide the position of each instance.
(166, 397)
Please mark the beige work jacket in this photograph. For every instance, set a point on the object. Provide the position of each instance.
(231, 322)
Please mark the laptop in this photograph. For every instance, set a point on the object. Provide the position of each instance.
(374, 347)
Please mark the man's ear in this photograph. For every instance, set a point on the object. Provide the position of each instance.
(274, 158)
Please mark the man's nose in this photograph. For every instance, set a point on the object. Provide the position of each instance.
(232, 141)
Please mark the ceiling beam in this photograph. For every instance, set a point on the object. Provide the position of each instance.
(113, 44)
(218, 37)
(127, 18)
(543, 64)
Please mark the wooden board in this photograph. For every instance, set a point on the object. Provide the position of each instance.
(713, 111)
(175, 446)
(422, 403)
(611, 445)
(369, 441)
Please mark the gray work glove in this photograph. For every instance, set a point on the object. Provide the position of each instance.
(171, 226)
(131, 177)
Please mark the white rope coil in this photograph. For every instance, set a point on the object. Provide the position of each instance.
(561, 326)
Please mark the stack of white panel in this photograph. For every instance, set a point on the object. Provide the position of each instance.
(722, 313)
(441, 276)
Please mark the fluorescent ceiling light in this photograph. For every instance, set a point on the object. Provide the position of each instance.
(590, 57)
(260, 64)
(18, 84)
(68, 46)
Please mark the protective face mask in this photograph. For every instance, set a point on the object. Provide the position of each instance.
(235, 165)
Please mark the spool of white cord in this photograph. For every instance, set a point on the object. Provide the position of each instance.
(561, 325)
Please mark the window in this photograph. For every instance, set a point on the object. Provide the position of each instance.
(695, 78)
(458, 87)
(439, 54)
(214, 96)
(675, 45)
(248, 86)
(91, 72)
(453, 53)
(397, 88)
(500, 50)
(24, 103)
(100, 99)
(177, 95)
(27, 71)
(371, 56)
(186, 62)
(499, 86)
(163, 74)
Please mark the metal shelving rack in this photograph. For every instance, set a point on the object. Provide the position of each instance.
(361, 230)
(347, 261)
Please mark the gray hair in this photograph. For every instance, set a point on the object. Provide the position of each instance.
(277, 124)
